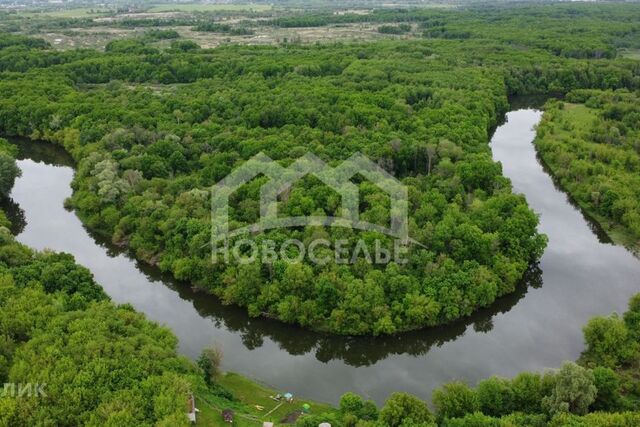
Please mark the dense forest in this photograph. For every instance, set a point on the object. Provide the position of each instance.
(106, 365)
(68, 356)
(144, 172)
(153, 129)
(591, 142)
(154, 121)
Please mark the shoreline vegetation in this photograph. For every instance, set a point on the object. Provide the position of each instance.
(614, 232)
(57, 323)
(50, 305)
(593, 156)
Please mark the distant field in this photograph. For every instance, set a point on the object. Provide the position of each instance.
(90, 38)
(269, 35)
(98, 37)
(210, 7)
(79, 12)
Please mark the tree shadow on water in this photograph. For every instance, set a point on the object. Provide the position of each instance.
(354, 351)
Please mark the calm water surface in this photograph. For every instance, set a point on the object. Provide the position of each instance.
(580, 275)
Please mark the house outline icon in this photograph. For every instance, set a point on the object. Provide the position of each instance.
(281, 179)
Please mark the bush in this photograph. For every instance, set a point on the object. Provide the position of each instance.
(476, 419)
(455, 400)
(608, 342)
(404, 409)
(574, 390)
(210, 361)
(607, 383)
(597, 419)
(495, 396)
(394, 29)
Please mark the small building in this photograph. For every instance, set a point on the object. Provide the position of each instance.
(267, 424)
(191, 408)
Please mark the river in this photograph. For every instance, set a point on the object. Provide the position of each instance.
(580, 275)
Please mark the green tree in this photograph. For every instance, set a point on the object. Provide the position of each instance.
(574, 390)
(608, 341)
(9, 171)
(495, 396)
(351, 403)
(527, 392)
(632, 317)
(209, 361)
(607, 383)
(402, 409)
(354, 407)
(455, 400)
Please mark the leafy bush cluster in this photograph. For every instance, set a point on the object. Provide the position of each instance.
(394, 29)
(212, 27)
(9, 170)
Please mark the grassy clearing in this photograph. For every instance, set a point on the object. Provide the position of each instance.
(88, 38)
(580, 116)
(80, 12)
(254, 404)
(211, 7)
(359, 32)
(630, 53)
(98, 37)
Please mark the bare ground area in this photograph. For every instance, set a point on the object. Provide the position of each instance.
(98, 37)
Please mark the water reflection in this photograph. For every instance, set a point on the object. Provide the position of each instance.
(595, 228)
(14, 214)
(354, 351)
(42, 152)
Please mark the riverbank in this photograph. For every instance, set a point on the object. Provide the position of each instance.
(255, 403)
(565, 140)
(251, 402)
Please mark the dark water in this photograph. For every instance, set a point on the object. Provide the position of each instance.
(580, 275)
